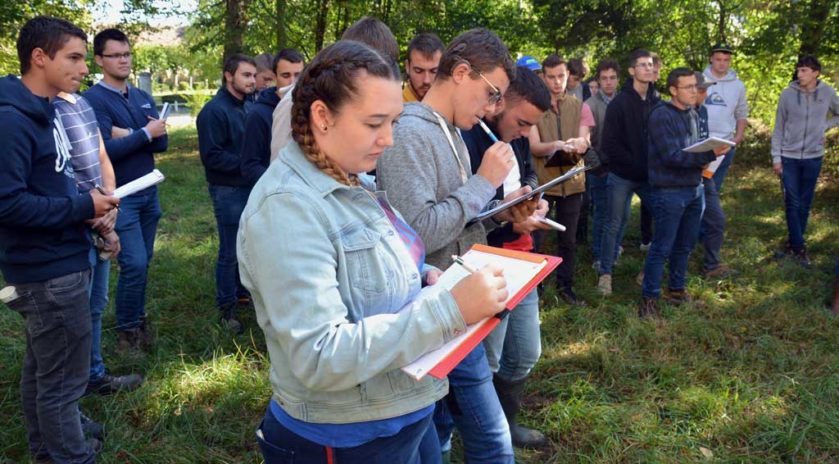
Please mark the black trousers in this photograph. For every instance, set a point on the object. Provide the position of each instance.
(566, 211)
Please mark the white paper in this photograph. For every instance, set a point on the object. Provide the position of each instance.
(518, 274)
(711, 143)
(153, 178)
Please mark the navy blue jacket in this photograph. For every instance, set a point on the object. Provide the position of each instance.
(256, 147)
(132, 156)
(477, 142)
(624, 141)
(42, 230)
(669, 165)
(221, 130)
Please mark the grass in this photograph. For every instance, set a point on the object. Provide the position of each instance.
(748, 372)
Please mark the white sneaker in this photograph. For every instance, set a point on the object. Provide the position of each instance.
(596, 265)
(604, 284)
(646, 246)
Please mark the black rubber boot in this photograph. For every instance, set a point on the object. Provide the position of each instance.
(509, 394)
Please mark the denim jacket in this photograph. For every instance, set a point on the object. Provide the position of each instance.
(328, 275)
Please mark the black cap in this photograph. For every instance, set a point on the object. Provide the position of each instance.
(722, 47)
(701, 82)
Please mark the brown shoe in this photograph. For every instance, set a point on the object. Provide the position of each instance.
(128, 340)
(648, 308)
(678, 297)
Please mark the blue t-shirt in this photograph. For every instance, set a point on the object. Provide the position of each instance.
(82, 131)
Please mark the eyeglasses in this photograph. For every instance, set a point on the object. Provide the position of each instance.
(496, 94)
(116, 56)
(688, 87)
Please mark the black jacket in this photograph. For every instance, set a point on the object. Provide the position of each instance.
(624, 139)
(256, 147)
(221, 130)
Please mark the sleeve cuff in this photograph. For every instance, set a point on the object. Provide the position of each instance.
(82, 208)
(148, 134)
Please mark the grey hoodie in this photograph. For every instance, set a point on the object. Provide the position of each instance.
(726, 103)
(423, 181)
(802, 119)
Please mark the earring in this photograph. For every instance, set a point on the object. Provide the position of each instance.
(323, 127)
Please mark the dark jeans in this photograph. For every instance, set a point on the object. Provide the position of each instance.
(722, 170)
(414, 444)
(585, 211)
(228, 204)
(98, 302)
(596, 186)
(646, 224)
(799, 178)
(619, 198)
(566, 211)
(677, 213)
(713, 226)
(56, 365)
(136, 227)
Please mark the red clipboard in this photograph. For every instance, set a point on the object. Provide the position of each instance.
(448, 363)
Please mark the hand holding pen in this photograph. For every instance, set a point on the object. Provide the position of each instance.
(481, 294)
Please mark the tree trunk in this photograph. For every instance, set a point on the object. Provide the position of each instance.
(721, 21)
(812, 27)
(282, 38)
(235, 21)
(320, 23)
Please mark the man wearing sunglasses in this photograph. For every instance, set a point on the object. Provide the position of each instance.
(428, 177)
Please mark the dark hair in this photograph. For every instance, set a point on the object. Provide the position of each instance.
(47, 33)
(289, 54)
(637, 54)
(369, 30)
(100, 39)
(231, 64)
(427, 44)
(809, 61)
(263, 62)
(605, 64)
(332, 77)
(479, 47)
(576, 67)
(530, 87)
(673, 77)
(553, 61)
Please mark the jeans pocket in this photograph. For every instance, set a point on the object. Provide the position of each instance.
(272, 453)
(23, 304)
(66, 282)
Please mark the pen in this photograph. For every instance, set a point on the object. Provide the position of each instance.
(486, 129)
(102, 191)
(458, 260)
(552, 224)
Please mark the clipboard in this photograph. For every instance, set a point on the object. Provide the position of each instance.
(537, 191)
(438, 363)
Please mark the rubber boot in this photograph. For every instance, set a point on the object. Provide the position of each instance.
(509, 394)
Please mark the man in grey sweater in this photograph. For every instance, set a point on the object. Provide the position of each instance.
(798, 147)
(428, 178)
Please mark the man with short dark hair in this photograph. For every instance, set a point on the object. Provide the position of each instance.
(265, 76)
(676, 196)
(221, 130)
(288, 65)
(424, 54)
(624, 141)
(132, 133)
(798, 147)
(44, 244)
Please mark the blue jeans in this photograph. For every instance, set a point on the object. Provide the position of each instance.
(515, 345)
(799, 178)
(228, 204)
(619, 200)
(56, 365)
(414, 444)
(473, 407)
(677, 213)
(713, 226)
(136, 227)
(596, 186)
(98, 292)
(722, 170)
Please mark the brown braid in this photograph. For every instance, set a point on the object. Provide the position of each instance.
(330, 78)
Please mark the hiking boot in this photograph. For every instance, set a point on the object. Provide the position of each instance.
(509, 395)
(128, 340)
(91, 428)
(604, 284)
(678, 297)
(567, 294)
(147, 335)
(229, 321)
(114, 383)
(720, 272)
(802, 258)
(648, 308)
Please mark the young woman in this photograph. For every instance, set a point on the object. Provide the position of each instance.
(333, 272)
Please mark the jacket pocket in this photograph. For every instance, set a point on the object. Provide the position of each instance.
(366, 266)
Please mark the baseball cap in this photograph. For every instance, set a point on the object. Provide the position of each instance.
(701, 83)
(722, 47)
(529, 62)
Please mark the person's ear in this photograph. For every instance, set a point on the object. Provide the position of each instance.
(461, 71)
(38, 57)
(321, 117)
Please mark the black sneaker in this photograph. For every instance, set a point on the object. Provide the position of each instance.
(91, 428)
(114, 383)
(229, 321)
(802, 258)
(567, 294)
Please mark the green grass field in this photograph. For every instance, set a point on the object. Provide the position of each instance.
(748, 372)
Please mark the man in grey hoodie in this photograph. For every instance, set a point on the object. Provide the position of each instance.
(798, 146)
(428, 178)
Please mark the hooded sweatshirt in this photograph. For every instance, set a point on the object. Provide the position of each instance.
(256, 146)
(624, 138)
(726, 103)
(424, 181)
(42, 231)
(802, 119)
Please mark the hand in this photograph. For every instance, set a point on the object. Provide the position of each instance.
(778, 168)
(112, 244)
(481, 294)
(104, 224)
(496, 164)
(578, 145)
(720, 151)
(102, 204)
(519, 212)
(533, 223)
(156, 127)
(432, 276)
(119, 132)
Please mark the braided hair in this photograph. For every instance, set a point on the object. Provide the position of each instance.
(332, 78)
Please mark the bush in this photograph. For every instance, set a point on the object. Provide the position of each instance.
(196, 101)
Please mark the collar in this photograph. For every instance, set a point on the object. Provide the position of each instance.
(310, 174)
(68, 97)
(114, 89)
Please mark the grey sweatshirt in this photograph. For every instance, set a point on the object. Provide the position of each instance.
(423, 181)
(726, 103)
(802, 119)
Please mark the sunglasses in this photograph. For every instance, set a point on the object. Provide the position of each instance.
(496, 95)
